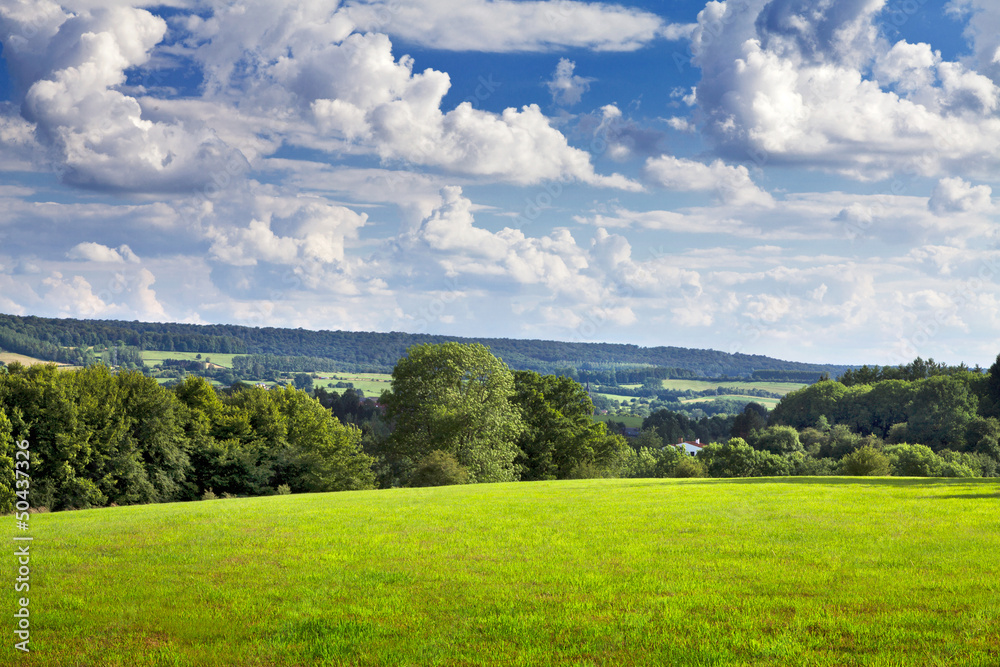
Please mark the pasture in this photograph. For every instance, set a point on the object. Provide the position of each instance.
(11, 357)
(700, 385)
(789, 571)
(154, 357)
(373, 384)
(768, 403)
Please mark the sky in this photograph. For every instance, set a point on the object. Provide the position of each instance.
(806, 179)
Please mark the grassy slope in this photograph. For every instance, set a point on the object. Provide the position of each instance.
(768, 403)
(373, 384)
(153, 357)
(700, 385)
(11, 357)
(601, 572)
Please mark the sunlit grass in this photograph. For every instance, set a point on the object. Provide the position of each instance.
(768, 403)
(795, 571)
(12, 357)
(154, 357)
(700, 385)
(373, 384)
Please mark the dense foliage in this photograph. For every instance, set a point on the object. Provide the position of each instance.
(457, 399)
(99, 438)
(457, 414)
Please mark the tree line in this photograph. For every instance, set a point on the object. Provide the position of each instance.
(378, 352)
(456, 413)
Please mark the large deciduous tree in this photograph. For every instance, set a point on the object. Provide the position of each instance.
(455, 398)
(560, 433)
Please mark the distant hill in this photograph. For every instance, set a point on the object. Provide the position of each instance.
(64, 340)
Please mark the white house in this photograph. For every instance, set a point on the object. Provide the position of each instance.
(691, 448)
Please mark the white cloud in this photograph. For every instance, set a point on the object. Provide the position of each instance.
(672, 221)
(95, 252)
(983, 31)
(315, 233)
(567, 88)
(681, 124)
(128, 296)
(356, 97)
(954, 195)
(504, 26)
(788, 83)
(733, 185)
(69, 70)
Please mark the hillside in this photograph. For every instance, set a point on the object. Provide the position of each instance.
(62, 340)
(761, 572)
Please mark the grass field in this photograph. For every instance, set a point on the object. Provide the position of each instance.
(795, 571)
(11, 357)
(768, 403)
(373, 384)
(153, 357)
(699, 385)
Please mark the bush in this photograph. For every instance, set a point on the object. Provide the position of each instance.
(865, 462)
(779, 440)
(284, 490)
(735, 458)
(804, 465)
(439, 469)
(914, 461)
(209, 495)
(689, 467)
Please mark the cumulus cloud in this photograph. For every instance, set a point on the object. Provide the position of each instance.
(796, 81)
(95, 252)
(733, 185)
(69, 70)
(277, 72)
(358, 98)
(681, 124)
(450, 239)
(567, 88)
(505, 26)
(129, 295)
(596, 281)
(311, 233)
(954, 195)
(983, 32)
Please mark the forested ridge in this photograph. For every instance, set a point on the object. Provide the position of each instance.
(65, 340)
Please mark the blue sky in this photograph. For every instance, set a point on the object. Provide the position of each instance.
(811, 180)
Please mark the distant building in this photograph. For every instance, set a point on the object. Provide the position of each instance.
(690, 448)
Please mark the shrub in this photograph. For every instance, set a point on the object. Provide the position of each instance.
(284, 490)
(914, 461)
(689, 467)
(779, 440)
(209, 495)
(439, 468)
(865, 462)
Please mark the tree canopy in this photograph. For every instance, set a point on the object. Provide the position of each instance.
(457, 399)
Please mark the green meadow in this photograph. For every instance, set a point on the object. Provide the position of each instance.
(788, 571)
(701, 385)
(373, 384)
(153, 357)
(768, 403)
